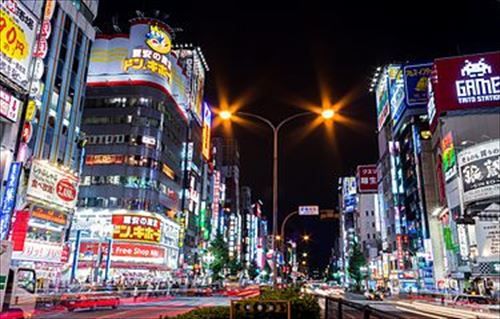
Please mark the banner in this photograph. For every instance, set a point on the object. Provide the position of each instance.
(50, 184)
(17, 37)
(479, 168)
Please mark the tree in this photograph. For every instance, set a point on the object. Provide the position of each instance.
(234, 267)
(220, 252)
(357, 261)
(253, 270)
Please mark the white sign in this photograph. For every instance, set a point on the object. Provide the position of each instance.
(308, 210)
(478, 87)
(9, 106)
(50, 184)
(17, 37)
(148, 140)
(479, 167)
(40, 251)
(488, 240)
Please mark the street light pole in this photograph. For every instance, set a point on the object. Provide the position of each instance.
(276, 130)
(226, 115)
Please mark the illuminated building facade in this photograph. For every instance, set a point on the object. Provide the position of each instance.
(48, 149)
(141, 181)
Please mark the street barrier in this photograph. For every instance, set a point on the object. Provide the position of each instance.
(338, 308)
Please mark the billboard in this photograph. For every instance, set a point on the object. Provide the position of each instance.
(479, 168)
(142, 57)
(206, 131)
(467, 82)
(416, 77)
(367, 178)
(52, 185)
(139, 228)
(17, 36)
(488, 237)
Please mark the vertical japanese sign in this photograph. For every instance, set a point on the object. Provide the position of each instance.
(416, 79)
(206, 134)
(367, 178)
(449, 157)
(9, 198)
(20, 229)
(17, 37)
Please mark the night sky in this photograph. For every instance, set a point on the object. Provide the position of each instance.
(273, 57)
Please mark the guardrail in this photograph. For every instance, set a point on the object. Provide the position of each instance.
(338, 308)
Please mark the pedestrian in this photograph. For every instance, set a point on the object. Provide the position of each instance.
(136, 293)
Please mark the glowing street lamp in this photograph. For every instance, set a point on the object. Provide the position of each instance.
(305, 238)
(225, 115)
(327, 114)
(304, 254)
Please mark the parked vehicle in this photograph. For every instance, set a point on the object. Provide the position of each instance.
(17, 286)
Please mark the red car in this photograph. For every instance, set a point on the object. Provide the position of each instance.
(90, 301)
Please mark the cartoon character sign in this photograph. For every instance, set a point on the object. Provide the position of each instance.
(158, 40)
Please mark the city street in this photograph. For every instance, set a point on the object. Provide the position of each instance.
(141, 310)
(326, 160)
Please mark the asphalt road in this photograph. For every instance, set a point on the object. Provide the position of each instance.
(141, 310)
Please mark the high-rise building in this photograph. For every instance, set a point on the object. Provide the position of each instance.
(141, 181)
(49, 146)
(463, 114)
(228, 154)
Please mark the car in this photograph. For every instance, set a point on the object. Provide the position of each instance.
(90, 301)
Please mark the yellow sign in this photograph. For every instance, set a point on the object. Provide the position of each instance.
(205, 148)
(12, 38)
(148, 65)
(158, 40)
(30, 110)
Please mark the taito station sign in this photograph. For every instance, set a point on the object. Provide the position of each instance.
(467, 82)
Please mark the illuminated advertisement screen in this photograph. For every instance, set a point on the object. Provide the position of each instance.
(206, 134)
(17, 37)
(143, 57)
(467, 82)
(137, 228)
(130, 252)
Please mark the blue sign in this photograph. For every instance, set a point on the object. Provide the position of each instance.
(9, 198)
(416, 77)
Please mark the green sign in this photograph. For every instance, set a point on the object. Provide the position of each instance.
(3, 281)
(448, 240)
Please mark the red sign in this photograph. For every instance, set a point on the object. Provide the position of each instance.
(65, 253)
(19, 229)
(65, 190)
(467, 82)
(367, 178)
(27, 132)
